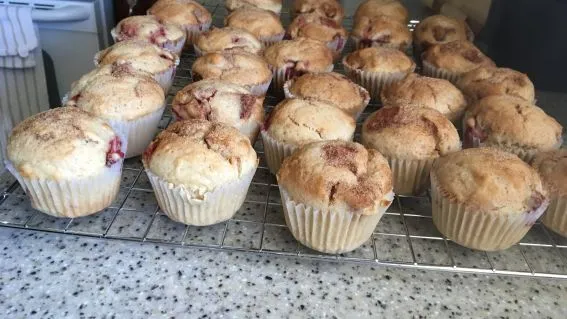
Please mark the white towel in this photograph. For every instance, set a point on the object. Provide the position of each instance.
(18, 38)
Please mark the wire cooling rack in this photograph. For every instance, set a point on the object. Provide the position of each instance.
(405, 236)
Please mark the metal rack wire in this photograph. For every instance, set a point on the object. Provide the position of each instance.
(405, 237)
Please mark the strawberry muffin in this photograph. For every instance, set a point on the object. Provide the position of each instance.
(227, 39)
(438, 29)
(263, 24)
(320, 28)
(486, 81)
(331, 9)
(274, 6)
(382, 31)
(374, 8)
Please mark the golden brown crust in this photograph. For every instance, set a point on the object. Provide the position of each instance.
(228, 39)
(552, 168)
(382, 31)
(237, 67)
(488, 180)
(457, 56)
(261, 23)
(274, 6)
(306, 55)
(380, 59)
(373, 8)
(420, 91)
(316, 27)
(410, 133)
(142, 56)
(331, 9)
(337, 175)
(438, 29)
(487, 81)
(181, 12)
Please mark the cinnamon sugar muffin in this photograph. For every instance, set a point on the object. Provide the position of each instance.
(242, 68)
(374, 8)
(274, 6)
(382, 31)
(376, 67)
(296, 122)
(264, 25)
(67, 161)
(220, 101)
(143, 56)
(193, 17)
(291, 58)
(451, 60)
(334, 194)
(485, 198)
(421, 91)
(511, 124)
(200, 171)
(329, 87)
(166, 35)
(437, 29)
(411, 139)
(226, 39)
(552, 168)
(486, 81)
(317, 27)
(331, 9)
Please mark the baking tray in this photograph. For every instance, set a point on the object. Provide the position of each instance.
(405, 236)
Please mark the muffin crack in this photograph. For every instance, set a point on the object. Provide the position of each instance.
(294, 121)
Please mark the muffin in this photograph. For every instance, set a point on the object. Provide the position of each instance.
(200, 171)
(376, 68)
(131, 102)
(220, 101)
(274, 6)
(327, 8)
(334, 194)
(421, 91)
(411, 139)
(264, 25)
(438, 29)
(552, 168)
(296, 122)
(487, 81)
(511, 124)
(242, 68)
(320, 28)
(67, 161)
(143, 56)
(148, 28)
(451, 60)
(190, 15)
(381, 31)
(374, 8)
(329, 87)
(226, 39)
(291, 58)
(485, 198)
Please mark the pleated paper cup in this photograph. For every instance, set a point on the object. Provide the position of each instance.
(268, 41)
(471, 228)
(281, 75)
(184, 206)
(193, 32)
(275, 151)
(337, 46)
(430, 70)
(175, 46)
(261, 88)
(331, 232)
(72, 198)
(410, 176)
(555, 218)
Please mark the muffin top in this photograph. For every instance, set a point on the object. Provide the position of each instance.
(382, 31)
(331, 9)
(148, 28)
(227, 39)
(502, 119)
(181, 12)
(552, 168)
(438, 29)
(63, 143)
(316, 27)
(489, 180)
(140, 54)
(261, 23)
(373, 8)
(338, 175)
(237, 67)
(378, 59)
(410, 133)
(486, 81)
(200, 155)
(421, 91)
(217, 101)
(330, 87)
(117, 92)
(298, 122)
(274, 6)
(456, 56)
(302, 54)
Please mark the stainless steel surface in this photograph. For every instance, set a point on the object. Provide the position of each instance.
(405, 237)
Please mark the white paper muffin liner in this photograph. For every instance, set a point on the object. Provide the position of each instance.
(555, 218)
(193, 32)
(430, 70)
(280, 77)
(275, 151)
(330, 231)
(337, 47)
(175, 46)
(488, 231)
(268, 41)
(410, 176)
(182, 205)
(72, 198)
(260, 89)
